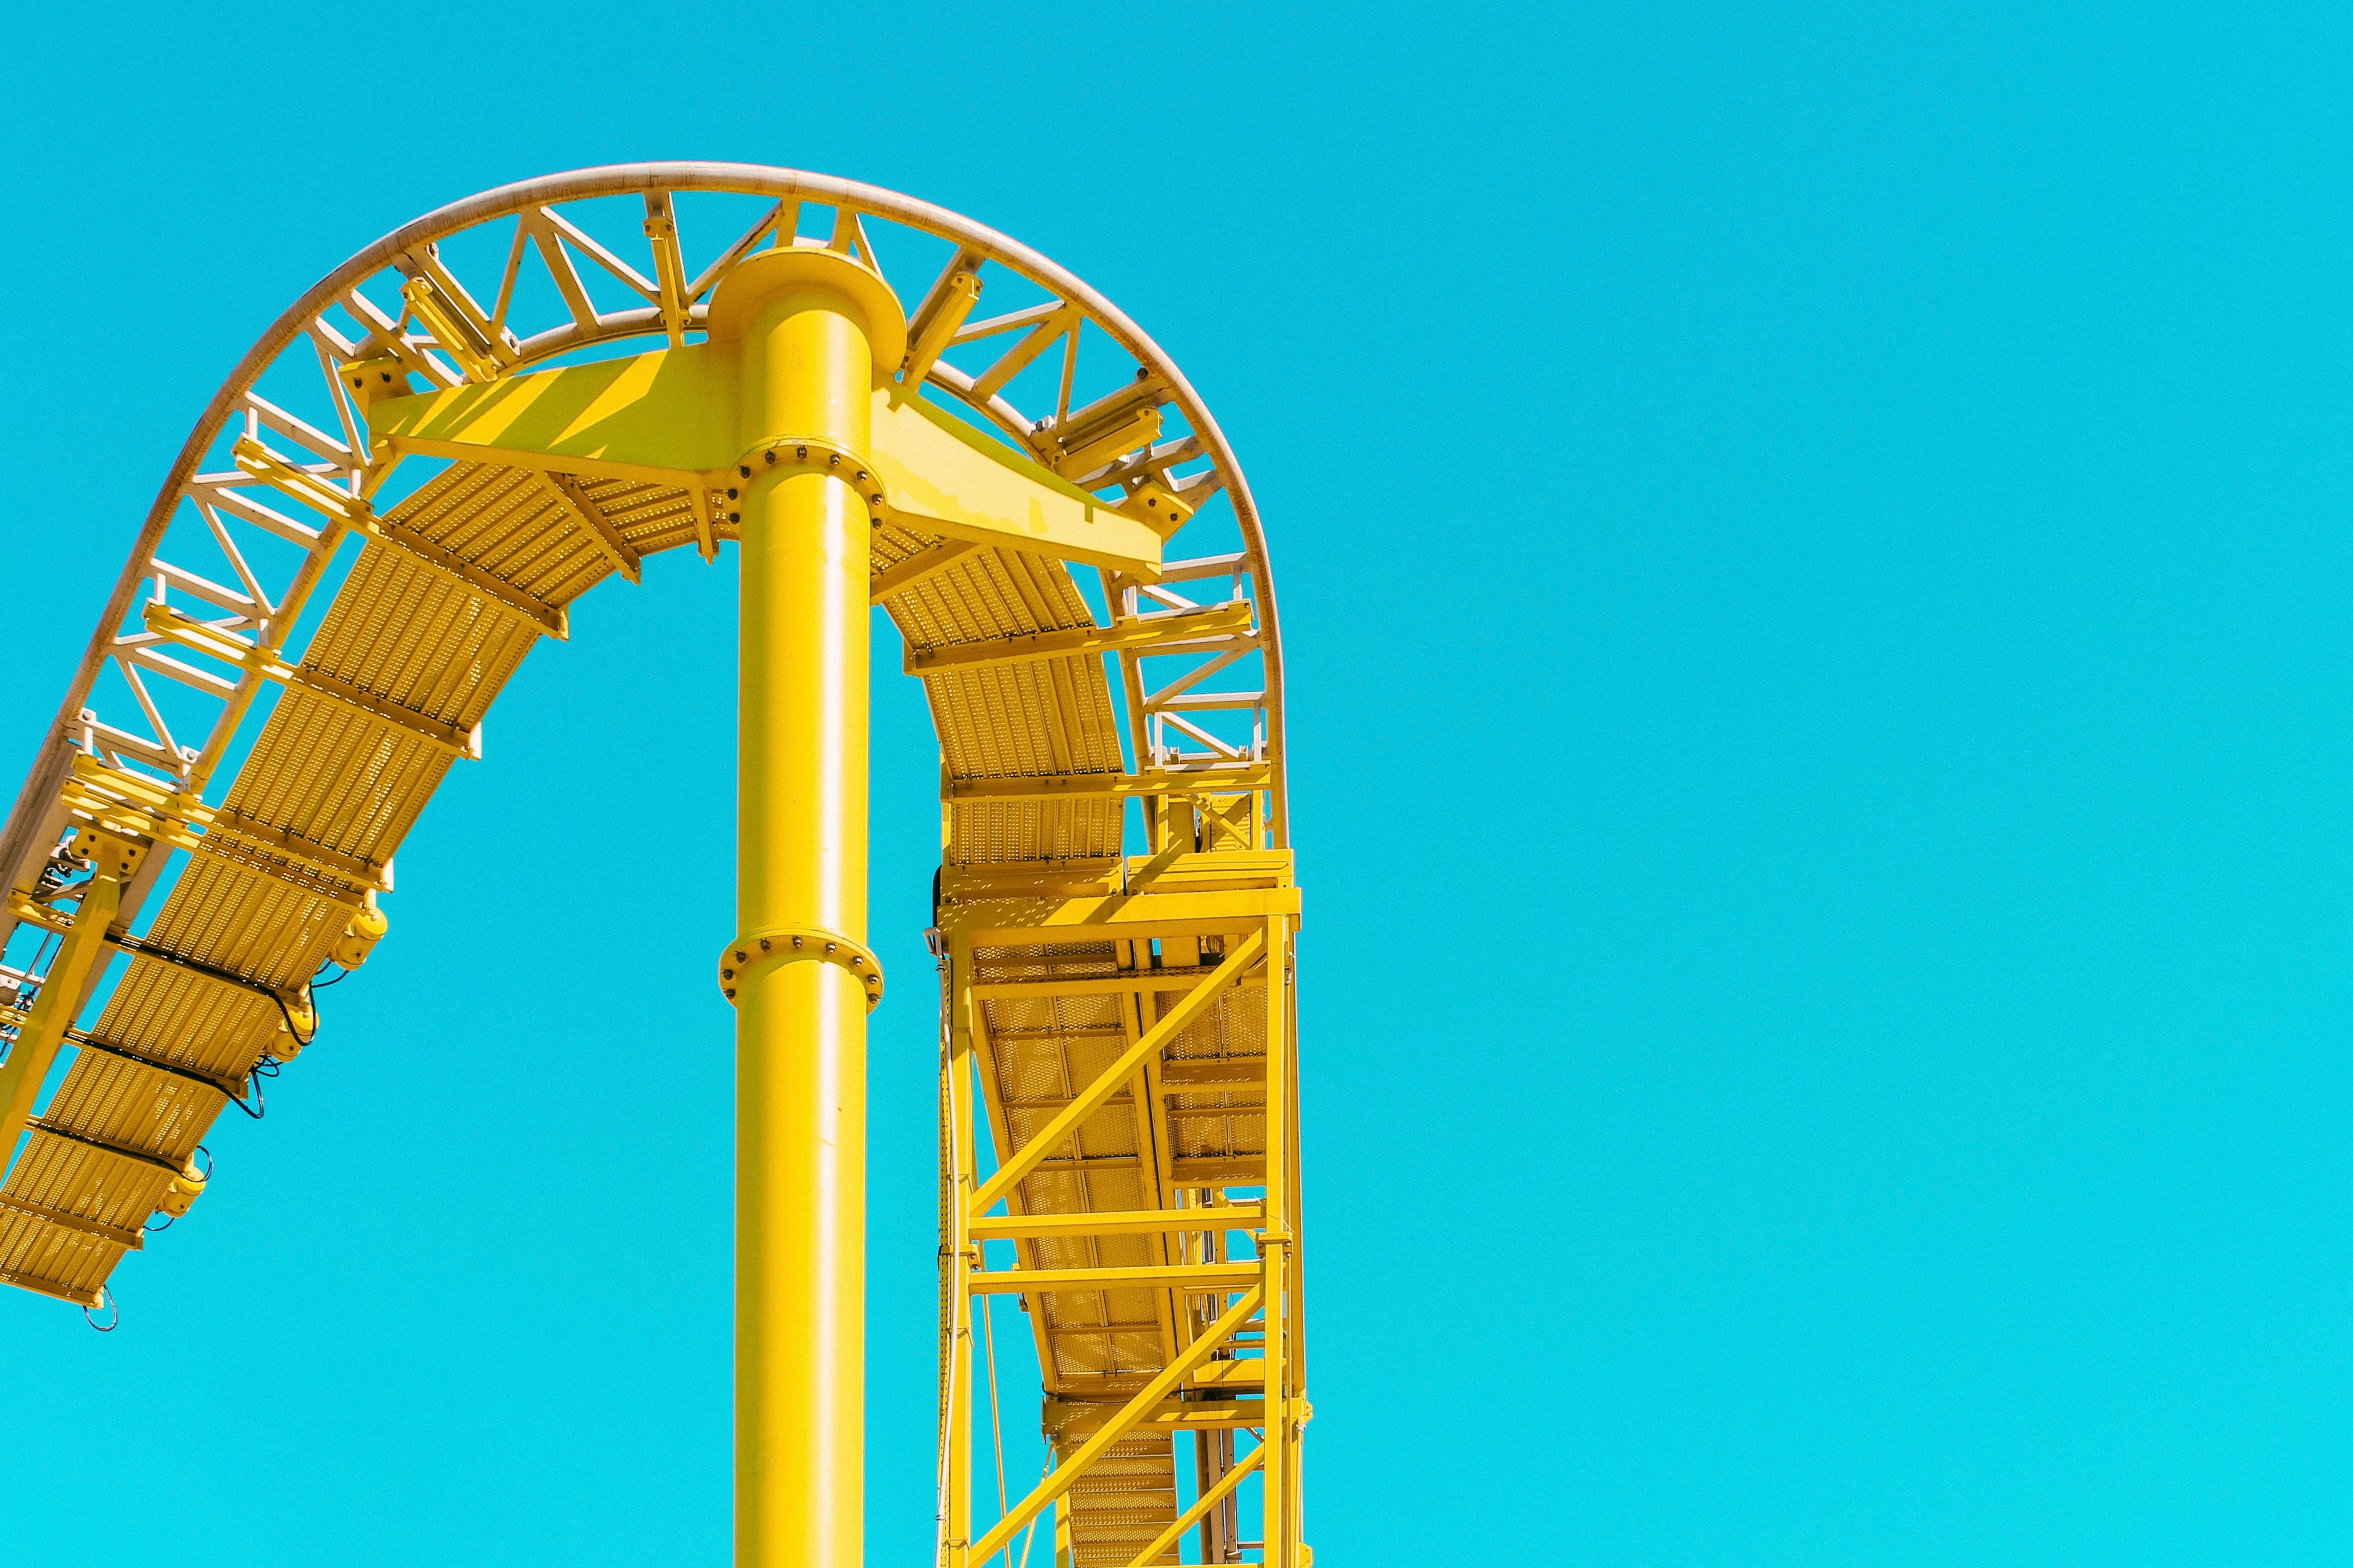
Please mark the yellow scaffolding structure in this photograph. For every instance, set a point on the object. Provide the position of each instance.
(1121, 1025)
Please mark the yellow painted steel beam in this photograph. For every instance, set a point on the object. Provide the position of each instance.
(959, 1161)
(87, 1042)
(593, 522)
(1151, 1222)
(1070, 1418)
(1134, 917)
(1196, 1279)
(942, 476)
(1170, 871)
(937, 320)
(1232, 1073)
(1276, 1242)
(669, 417)
(1127, 981)
(22, 909)
(222, 842)
(1114, 1077)
(129, 1240)
(919, 568)
(1218, 622)
(550, 620)
(1080, 786)
(457, 337)
(49, 1129)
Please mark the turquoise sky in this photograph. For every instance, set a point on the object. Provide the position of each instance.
(1812, 553)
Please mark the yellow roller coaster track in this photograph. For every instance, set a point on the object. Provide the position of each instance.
(483, 416)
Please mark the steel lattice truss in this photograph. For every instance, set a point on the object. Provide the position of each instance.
(315, 618)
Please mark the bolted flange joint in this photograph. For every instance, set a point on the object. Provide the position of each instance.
(802, 455)
(797, 944)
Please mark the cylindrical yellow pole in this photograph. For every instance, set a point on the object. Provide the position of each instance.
(800, 1076)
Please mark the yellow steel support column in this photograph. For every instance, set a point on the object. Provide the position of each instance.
(806, 321)
(1277, 1469)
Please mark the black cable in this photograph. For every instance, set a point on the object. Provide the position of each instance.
(299, 1037)
(260, 1107)
(89, 1043)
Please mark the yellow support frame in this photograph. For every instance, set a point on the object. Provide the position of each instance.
(1223, 924)
(792, 408)
(669, 417)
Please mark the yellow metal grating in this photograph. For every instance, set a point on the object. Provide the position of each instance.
(1037, 719)
(331, 775)
(1123, 1502)
(347, 780)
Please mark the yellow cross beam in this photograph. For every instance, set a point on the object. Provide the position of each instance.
(674, 417)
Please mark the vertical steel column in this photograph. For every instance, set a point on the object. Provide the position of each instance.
(805, 328)
(959, 1256)
(1276, 1474)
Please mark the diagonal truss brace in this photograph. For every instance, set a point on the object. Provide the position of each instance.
(1130, 1415)
(1201, 1505)
(1115, 1077)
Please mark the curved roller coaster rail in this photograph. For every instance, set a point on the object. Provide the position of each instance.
(400, 491)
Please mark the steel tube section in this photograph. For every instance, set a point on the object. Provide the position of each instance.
(801, 1074)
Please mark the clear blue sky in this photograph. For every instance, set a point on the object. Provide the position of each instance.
(1813, 553)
